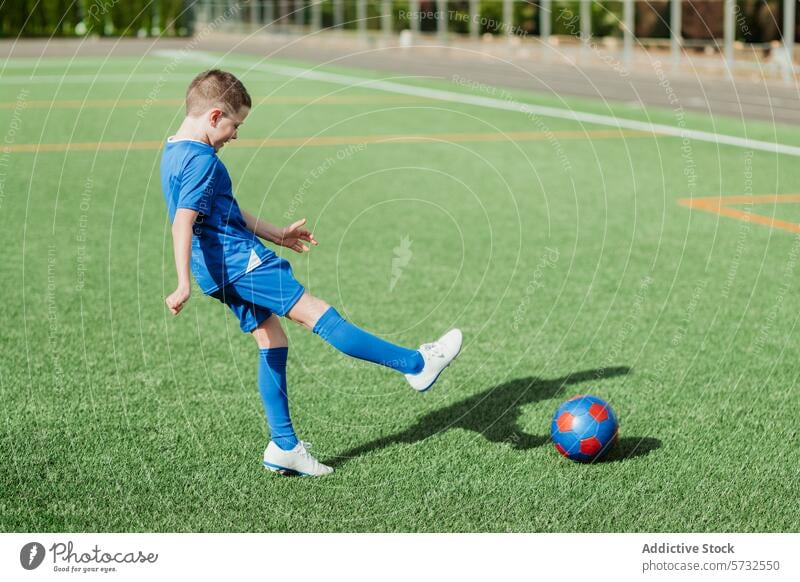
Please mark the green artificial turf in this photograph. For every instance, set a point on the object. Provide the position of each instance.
(568, 264)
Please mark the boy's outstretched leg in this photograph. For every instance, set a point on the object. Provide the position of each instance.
(421, 367)
(284, 453)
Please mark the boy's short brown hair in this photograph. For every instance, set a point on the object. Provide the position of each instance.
(216, 88)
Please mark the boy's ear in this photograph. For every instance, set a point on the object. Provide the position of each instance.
(214, 116)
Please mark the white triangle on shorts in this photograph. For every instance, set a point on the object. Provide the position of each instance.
(254, 261)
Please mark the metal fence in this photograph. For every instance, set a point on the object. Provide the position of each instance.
(543, 21)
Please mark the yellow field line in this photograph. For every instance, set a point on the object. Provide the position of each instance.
(281, 142)
(265, 100)
(720, 205)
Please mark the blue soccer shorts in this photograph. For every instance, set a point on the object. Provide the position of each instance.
(267, 289)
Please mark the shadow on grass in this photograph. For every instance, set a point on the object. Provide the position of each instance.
(631, 447)
(493, 413)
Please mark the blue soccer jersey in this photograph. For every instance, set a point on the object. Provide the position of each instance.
(223, 250)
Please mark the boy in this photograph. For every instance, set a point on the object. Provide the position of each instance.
(229, 262)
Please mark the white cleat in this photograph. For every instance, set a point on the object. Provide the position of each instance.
(437, 356)
(298, 461)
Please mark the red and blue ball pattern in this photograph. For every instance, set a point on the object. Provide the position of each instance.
(584, 428)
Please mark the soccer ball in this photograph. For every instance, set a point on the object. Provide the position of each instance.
(584, 428)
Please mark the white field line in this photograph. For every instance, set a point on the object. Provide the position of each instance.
(493, 103)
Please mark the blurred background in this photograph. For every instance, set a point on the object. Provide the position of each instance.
(727, 36)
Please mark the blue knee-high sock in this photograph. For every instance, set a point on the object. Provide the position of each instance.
(272, 386)
(356, 342)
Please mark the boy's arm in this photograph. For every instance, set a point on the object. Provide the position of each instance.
(290, 237)
(182, 248)
(261, 228)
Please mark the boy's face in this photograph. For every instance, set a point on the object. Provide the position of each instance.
(224, 127)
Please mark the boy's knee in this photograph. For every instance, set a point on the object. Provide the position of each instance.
(269, 334)
(308, 310)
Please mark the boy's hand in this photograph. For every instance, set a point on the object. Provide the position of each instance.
(292, 237)
(178, 298)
